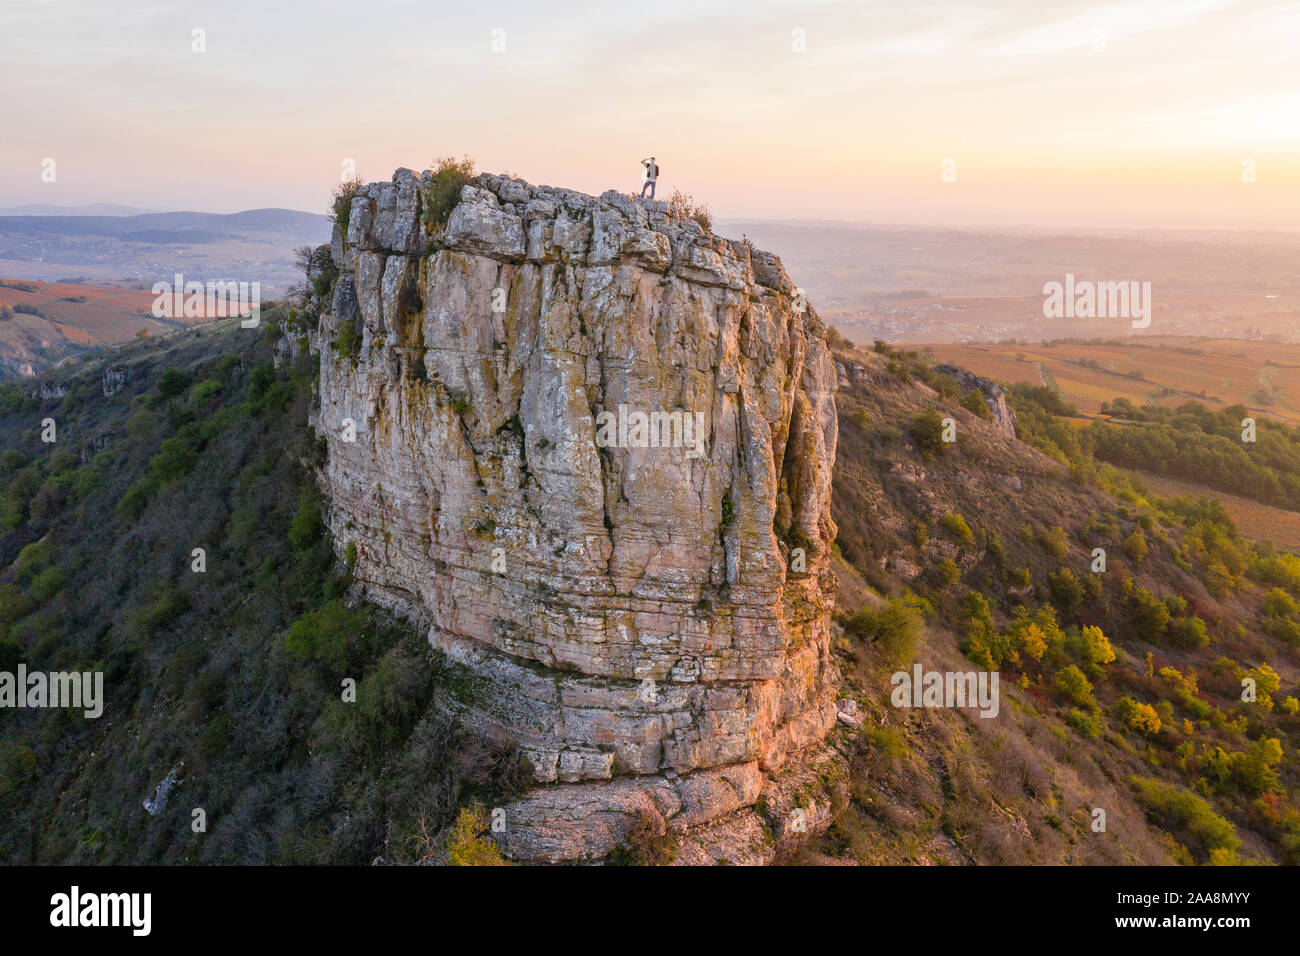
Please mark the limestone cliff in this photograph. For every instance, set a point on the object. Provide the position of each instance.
(649, 624)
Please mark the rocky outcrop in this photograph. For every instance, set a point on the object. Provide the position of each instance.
(48, 391)
(116, 378)
(1004, 419)
(645, 611)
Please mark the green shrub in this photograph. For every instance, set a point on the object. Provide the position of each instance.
(1278, 604)
(335, 636)
(949, 573)
(1073, 684)
(1135, 546)
(945, 385)
(174, 460)
(1057, 542)
(896, 627)
(983, 644)
(340, 210)
(169, 604)
(927, 431)
(173, 382)
(443, 192)
(1281, 569)
(215, 739)
(348, 339)
(1067, 591)
(1187, 632)
(1251, 770)
(204, 392)
(32, 560)
(649, 843)
(1193, 704)
(889, 742)
(460, 404)
(956, 526)
(974, 401)
(306, 528)
(47, 584)
(1187, 812)
(1149, 614)
(14, 604)
(133, 501)
(1087, 723)
(17, 765)
(389, 699)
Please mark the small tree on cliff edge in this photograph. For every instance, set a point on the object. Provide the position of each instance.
(341, 205)
(443, 192)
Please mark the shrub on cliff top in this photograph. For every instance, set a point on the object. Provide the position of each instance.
(443, 192)
(341, 203)
(684, 206)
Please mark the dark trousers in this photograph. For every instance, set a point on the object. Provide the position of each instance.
(650, 185)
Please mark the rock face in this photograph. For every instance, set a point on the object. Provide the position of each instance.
(994, 394)
(645, 612)
(116, 378)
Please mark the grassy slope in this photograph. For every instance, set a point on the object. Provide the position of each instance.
(948, 786)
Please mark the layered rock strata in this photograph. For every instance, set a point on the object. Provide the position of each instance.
(644, 611)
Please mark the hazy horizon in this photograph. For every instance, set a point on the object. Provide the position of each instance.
(1063, 229)
(1126, 115)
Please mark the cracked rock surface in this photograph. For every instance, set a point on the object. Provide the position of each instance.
(649, 624)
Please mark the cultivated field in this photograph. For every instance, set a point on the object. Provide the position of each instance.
(1255, 521)
(1263, 376)
(73, 317)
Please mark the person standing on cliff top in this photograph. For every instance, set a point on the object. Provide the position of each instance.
(651, 174)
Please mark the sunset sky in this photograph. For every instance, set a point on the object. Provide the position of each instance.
(1054, 113)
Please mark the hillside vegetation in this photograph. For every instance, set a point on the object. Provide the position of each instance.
(228, 680)
(1121, 689)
